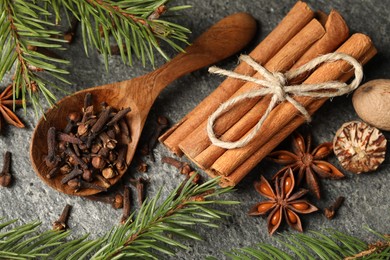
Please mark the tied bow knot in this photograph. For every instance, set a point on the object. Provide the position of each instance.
(279, 80)
(275, 84)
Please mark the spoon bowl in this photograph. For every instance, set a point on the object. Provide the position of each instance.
(220, 41)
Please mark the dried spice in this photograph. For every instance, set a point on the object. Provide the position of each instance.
(359, 147)
(62, 222)
(307, 163)
(114, 199)
(89, 148)
(126, 206)
(162, 124)
(6, 101)
(331, 211)
(5, 174)
(183, 167)
(282, 203)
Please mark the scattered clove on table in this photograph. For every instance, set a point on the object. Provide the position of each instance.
(114, 199)
(62, 222)
(139, 184)
(70, 33)
(126, 205)
(183, 167)
(5, 175)
(330, 212)
(147, 149)
(142, 166)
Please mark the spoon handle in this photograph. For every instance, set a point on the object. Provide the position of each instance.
(220, 41)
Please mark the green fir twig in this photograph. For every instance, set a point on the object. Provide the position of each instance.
(29, 26)
(152, 232)
(328, 245)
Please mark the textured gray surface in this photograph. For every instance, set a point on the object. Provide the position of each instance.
(367, 199)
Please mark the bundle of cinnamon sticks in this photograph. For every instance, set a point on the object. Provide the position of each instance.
(301, 36)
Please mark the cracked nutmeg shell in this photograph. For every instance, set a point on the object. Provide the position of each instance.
(359, 147)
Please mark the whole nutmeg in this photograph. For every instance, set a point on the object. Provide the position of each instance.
(359, 147)
(372, 103)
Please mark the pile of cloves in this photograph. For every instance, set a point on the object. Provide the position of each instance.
(91, 148)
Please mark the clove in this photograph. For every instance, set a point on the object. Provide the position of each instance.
(87, 113)
(142, 166)
(108, 173)
(76, 150)
(118, 116)
(120, 162)
(139, 184)
(126, 205)
(61, 222)
(114, 199)
(51, 159)
(5, 175)
(196, 179)
(107, 141)
(53, 172)
(184, 167)
(98, 162)
(68, 138)
(87, 175)
(65, 169)
(106, 183)
(73, 118)
(162, 124)
(76, 172)
(78, 184)
(75, 158)
(102, 120)
(69, 34)
(331, 211)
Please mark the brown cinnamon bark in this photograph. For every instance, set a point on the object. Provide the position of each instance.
(237, 175)
(336, 33)
(294, 21)
(282, 62)
(284, 119)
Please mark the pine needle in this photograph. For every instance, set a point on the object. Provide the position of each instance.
(158, 229)
(329, 244)
(27, 26)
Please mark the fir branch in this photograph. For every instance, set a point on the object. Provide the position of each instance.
(22, 33)
(154, 231)
(330, 244)
(134, 25)
(26, 28)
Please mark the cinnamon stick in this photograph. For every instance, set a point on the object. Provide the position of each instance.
(294, 21)
(238, 174)
(356, 46)
(282, 61)
(336, 33)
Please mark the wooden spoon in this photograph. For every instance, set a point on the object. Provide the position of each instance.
(220, 41)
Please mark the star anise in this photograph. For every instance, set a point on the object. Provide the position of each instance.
(306, 163)
(282, 202)
(6, 101)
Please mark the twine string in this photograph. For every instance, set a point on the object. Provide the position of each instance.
(276, 85)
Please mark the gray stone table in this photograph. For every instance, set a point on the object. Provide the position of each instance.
(367, 196)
